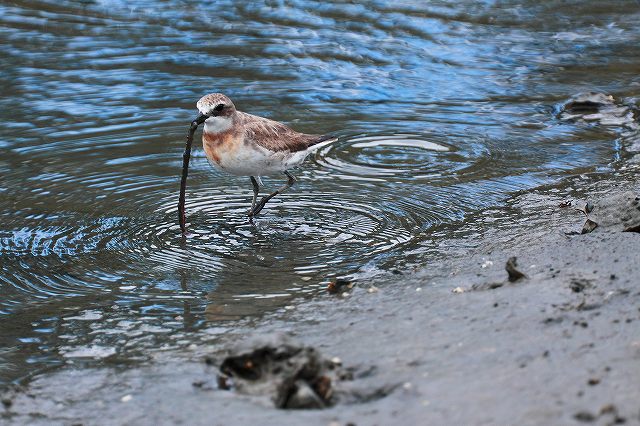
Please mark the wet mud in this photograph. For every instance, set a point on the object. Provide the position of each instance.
(617, 213)
(560, 346)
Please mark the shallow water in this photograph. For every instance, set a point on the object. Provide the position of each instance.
(441, 110)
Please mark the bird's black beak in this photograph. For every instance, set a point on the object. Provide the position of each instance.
(201, 118)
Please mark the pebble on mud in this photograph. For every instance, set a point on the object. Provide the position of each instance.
(584, 416)
(511, 268)
(339, 285)
(588, 226)
(291, 375)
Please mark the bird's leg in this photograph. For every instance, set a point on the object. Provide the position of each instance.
(256, 190)
(291, 180)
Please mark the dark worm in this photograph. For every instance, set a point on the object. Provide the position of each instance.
(185, 171)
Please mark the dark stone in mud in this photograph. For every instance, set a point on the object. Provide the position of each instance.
(578, 285)
(584, 416)
(617, 213)
(514, 275)
(512, 269)
(339, 286)
(292, 375)
(589, 226)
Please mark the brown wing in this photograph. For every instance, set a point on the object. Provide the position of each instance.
(276, 136)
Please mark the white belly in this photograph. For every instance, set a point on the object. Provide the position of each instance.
(253, 160)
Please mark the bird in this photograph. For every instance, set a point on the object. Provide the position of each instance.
(243, 144)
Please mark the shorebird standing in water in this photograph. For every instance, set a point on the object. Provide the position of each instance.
(247, 145)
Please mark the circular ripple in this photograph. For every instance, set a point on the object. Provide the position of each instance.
(295, 232)
(378, 157)
(322, 227)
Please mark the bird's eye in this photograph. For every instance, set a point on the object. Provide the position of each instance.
(219, 107)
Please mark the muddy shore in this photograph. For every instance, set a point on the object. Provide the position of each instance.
(453, 342)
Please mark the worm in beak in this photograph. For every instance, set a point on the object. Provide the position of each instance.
(185, 170)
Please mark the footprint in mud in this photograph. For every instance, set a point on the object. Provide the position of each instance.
(291, 375)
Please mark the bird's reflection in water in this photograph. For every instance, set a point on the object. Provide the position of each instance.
(254, 296)
(188, 318)
(252, 284)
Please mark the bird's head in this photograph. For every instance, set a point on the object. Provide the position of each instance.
(216, 111)
(216, 105)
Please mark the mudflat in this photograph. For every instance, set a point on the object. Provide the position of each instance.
(451, 342)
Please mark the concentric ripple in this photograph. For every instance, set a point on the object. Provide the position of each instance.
(405, 156)
(323, 232)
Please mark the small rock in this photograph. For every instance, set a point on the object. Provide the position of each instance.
(339, 285)
(584, 416)
(588, 226)
(511, 268)
(578, 285)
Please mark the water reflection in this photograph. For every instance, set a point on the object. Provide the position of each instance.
(442, 108)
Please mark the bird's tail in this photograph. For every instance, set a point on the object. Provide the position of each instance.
(323, 140)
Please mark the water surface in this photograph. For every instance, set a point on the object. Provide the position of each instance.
(442, 109)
